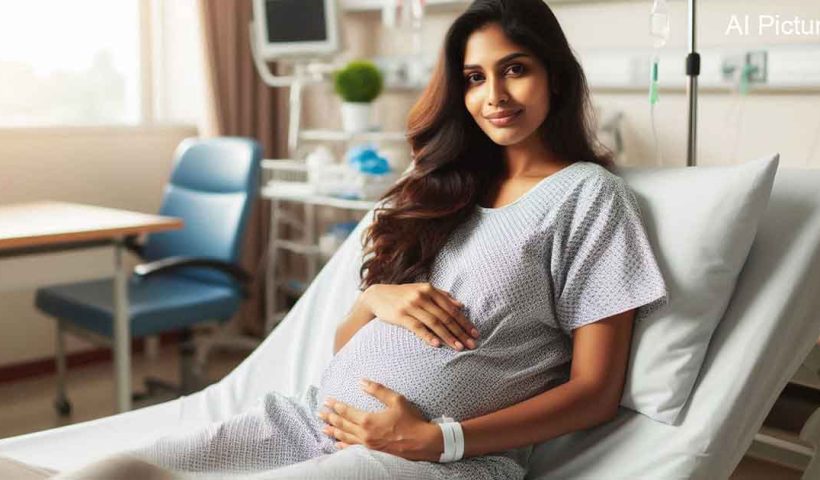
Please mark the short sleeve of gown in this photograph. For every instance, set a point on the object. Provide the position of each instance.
(604, 265)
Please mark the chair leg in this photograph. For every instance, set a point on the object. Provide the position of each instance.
(221, 339)
(61, 403)
(203, 349)
(190, 382)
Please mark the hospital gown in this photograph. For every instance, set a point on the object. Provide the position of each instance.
(571, 251)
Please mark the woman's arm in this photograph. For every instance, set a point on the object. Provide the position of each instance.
(590, 397)
(430, 313)
(358, 317)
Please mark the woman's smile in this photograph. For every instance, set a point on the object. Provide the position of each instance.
(506, 119)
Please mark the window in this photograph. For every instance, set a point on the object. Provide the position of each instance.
(78, 63)
(69, 62)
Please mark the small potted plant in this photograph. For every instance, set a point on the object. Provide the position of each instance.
(358, 83)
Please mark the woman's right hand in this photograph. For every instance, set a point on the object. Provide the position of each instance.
(432, 314)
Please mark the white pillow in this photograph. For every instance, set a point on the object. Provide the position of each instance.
(701, 222)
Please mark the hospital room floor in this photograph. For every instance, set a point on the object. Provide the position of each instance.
(26, 406)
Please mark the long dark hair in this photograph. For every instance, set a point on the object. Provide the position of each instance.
(454, 161)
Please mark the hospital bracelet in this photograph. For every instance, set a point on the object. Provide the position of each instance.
(453, 439)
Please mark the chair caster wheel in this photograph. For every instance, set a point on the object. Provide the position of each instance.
(63, 407)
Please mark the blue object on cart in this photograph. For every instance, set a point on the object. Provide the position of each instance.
(367, 160)
(342, 229)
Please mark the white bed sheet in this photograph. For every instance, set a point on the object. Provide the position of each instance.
(769, 327)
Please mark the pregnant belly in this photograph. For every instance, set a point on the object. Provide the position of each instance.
(439, 381)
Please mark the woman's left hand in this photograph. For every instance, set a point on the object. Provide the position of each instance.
(400, 429)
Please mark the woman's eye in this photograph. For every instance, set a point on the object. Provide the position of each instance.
(516, 69)
(473, 77)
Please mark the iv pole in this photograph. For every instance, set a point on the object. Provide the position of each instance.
(692, 70)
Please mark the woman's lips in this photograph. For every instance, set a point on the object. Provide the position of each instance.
(505, 121)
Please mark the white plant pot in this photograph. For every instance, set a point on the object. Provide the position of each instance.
(356, 116)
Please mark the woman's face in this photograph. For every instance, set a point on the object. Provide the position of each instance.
(502, 78)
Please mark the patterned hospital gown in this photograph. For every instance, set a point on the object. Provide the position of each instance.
(571, 251)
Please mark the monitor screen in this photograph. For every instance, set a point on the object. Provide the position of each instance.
(295, 21)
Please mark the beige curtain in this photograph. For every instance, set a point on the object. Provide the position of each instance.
(240, 104)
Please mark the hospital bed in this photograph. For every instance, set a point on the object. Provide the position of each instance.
(770, 326)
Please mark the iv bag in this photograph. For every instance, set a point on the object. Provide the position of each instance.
(659, 23)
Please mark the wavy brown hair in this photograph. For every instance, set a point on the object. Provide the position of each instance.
(454, 161)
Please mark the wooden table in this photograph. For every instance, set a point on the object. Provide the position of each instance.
(48, 226)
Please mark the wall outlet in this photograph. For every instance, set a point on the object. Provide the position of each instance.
(756, 62)
(759, 61)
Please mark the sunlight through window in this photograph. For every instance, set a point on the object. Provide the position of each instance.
(69, 63)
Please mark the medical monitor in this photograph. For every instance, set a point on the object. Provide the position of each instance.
(294, 28)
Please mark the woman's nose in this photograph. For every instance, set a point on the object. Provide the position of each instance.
(498, 93)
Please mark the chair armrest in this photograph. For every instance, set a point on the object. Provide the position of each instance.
(169, 264)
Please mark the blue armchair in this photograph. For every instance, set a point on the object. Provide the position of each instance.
(191, 275)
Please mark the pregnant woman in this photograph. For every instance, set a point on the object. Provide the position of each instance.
(501, 280)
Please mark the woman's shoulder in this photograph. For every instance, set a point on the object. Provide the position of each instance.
(596, 180)
(595, 192)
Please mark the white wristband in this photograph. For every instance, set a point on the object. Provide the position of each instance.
(453, 439)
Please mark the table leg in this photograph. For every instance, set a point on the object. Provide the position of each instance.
(122, 333)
